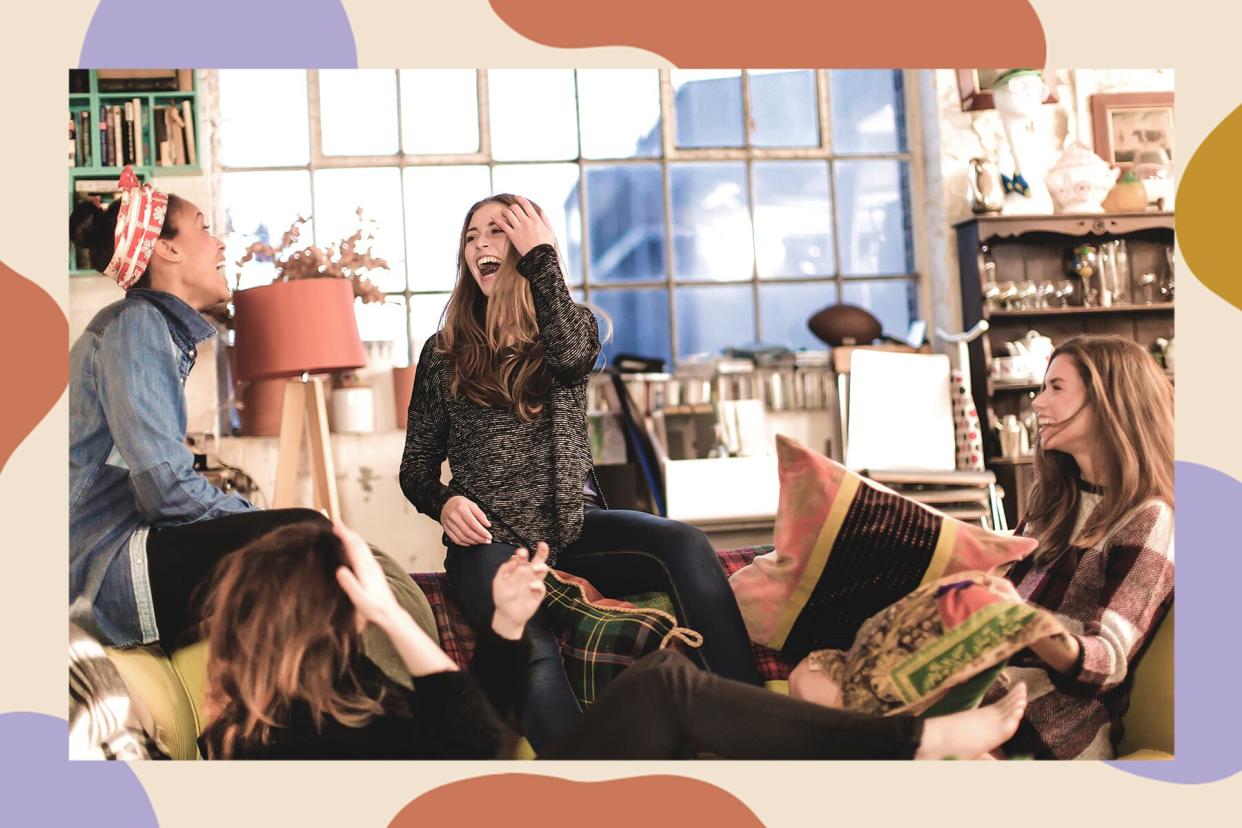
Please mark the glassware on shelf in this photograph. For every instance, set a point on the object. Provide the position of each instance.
(1007, 296)
(1166, 281)
(1048, 295)
(1063, 296)
(1145, 289)
(988, 265)
(1083, 264)
(1028, 295)
(1114, 273)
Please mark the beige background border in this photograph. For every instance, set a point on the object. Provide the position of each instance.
(1197, 39)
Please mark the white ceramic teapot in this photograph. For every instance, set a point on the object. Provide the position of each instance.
(1080, 180)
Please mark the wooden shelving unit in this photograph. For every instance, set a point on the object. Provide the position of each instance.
(91, 101)
(1033, 248)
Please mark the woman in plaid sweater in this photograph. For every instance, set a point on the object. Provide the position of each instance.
(501, 392)
(1102, 509)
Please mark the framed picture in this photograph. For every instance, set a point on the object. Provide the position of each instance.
(975, 86)
(1133, 127)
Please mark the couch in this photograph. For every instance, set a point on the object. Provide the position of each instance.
(170, 685)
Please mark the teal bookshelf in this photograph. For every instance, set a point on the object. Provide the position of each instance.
(92, 101)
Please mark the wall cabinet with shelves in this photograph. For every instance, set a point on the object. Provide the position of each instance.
(995, 250)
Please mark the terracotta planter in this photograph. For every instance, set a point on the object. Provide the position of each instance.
(402, 390)
(305, 325)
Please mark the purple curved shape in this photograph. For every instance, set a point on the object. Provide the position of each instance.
(39, 785)
(221, 34)
(1208, 719)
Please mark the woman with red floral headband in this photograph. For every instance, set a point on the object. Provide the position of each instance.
(145, 529)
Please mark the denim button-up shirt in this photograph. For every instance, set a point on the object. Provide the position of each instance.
(129, 467)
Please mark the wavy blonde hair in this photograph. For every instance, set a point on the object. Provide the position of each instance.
(1130, 403)
(281, 630)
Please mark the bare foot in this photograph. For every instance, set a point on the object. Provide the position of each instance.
(972, 734)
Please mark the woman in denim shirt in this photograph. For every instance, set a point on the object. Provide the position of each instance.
(145, 529)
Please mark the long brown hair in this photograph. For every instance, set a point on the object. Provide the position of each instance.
(281, 630)
(1130, 402)
(498, 358)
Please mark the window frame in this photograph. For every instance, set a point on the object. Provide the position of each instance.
(913, 156)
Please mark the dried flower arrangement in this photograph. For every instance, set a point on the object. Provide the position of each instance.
(350, 258)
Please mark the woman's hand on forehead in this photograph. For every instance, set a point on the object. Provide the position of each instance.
(526, 226)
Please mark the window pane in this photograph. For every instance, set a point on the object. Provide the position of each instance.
(894, 303)
(783, 108)
(711, 318)
(377, 190)
(534, 115)
(385, 322)
(639, 322)
(711, 222)
(868, 110)
(436, 201)
(439, 111)
(785, 309)
(554, 187)
(619, 112)
(426, 311)
(358, 111)
(261, 206)
(709, 107)
(626, 222)
(793, 218)
(263, 117)
(873, 217)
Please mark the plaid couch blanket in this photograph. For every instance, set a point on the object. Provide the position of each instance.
(458, 639)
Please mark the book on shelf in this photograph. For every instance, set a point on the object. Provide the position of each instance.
(105, 138)
(137, 80)
(73, 143)
(129, 132)
(187, 115)
(159, 127)
(176, 133)
(118, 137)
(84, 138)
(138, 132)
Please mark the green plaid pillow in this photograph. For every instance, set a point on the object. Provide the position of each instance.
(600, 636)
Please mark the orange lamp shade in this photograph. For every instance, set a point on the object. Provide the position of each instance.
(301, 326)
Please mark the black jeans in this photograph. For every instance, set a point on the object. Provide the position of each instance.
(621, 553)
(180, 560)
(664, 708)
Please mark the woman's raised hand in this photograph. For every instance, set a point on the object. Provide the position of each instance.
(517, 591)
(526, 226)
(464, 522)
(363, 580)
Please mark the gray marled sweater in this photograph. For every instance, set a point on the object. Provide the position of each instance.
(527, 477)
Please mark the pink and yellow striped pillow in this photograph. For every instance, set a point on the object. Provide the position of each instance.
(846, 548)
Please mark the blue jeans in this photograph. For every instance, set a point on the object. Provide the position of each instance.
(621, 553)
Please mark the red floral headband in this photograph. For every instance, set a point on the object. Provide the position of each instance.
(138, 226)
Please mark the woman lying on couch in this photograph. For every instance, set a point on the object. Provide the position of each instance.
(1102, 511)
(285, 616)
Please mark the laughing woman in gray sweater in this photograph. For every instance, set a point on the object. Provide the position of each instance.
(501, 392)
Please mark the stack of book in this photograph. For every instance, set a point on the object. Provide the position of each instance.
(123, 139)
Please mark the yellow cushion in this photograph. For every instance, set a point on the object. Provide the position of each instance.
(151, 679)
(1149, 721)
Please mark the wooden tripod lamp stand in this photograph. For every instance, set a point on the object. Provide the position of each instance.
(297, 329)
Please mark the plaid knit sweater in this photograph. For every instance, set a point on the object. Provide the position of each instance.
(526, 476)
(1111, 597)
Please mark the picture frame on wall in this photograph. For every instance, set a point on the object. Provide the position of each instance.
(1133, 127)
(975, 86)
